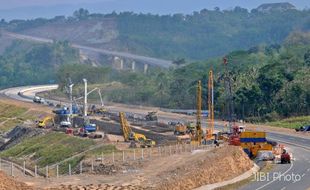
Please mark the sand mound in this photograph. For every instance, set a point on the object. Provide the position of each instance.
(8, 183)
(204, 168)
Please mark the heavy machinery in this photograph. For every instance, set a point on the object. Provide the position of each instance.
(97, 110)
(197, 137)
(180, 129)
(254, 141)
(129, 135)
(209, 138)
(151, 116)
(46, 122)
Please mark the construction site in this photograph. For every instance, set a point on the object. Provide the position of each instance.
(132, 148)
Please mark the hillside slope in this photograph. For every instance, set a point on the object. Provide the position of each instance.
(198, 36)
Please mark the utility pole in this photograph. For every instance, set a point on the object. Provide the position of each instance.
(85, 97)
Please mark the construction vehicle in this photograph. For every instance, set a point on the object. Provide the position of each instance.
(46, 122)
(65, 124)
(66, 111)
(151, 116)
(210, 137)
(95, 110)
(148, 143)
(130, 136)
(254, 141)
(197, 137)
(180, 129)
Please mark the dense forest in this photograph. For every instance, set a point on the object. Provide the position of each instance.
(197, 36)
(24, 63)
(268, 82)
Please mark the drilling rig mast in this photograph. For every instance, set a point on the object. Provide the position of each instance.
(210, 106)
(198, 135)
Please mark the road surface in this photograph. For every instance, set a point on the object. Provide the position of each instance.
(150, 60)
(292, 176)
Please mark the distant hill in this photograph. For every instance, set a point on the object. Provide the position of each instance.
(268, 7)
(198, 36)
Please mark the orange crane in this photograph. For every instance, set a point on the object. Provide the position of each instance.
(210, 130)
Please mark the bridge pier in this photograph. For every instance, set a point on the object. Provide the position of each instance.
(133, 66)
(145, 68)
(119, 63)
(122, 64)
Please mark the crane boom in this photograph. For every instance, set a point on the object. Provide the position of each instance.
(125, 126)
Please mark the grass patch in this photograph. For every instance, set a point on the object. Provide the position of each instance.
(11, 115)
(48, 149)
(292, 122)
(74, 162)
(105, 149)
(10, 124)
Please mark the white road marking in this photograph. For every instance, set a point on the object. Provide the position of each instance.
(276, 178)
(283, 188)
(308, 169)
(303, 175)
(294, 144)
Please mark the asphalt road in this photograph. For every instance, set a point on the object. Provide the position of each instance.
(292, 176)
(150, 60)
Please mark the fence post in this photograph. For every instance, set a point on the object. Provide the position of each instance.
(24, 167)
(92, 165)
(113, 157)
(150, 152)
(0, 164)
(12, 174)
(81, 167)
(123, 156)
(142, 156)
(46, 171)
(170, 151)
(69, 169)
(101, 157)
(134, 154)
(57, 170)
(35, 171)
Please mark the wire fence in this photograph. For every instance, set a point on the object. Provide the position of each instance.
(90, 165)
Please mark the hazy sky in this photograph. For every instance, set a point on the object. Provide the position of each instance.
(10, 9)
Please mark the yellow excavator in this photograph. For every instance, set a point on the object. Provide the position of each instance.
(129, 135)
(46, 122)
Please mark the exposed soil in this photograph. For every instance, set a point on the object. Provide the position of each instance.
(8, 183)
(97, 187)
